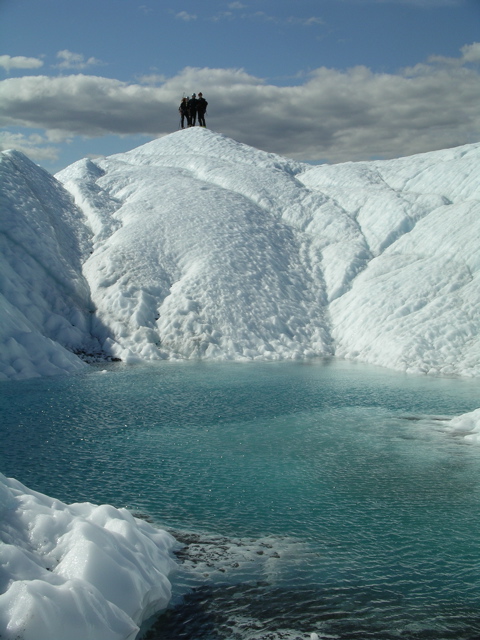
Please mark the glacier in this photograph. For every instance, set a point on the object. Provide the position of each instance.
(196, 246)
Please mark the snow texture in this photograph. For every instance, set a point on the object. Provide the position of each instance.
(195, 246)
(79, 571)
(45, 306)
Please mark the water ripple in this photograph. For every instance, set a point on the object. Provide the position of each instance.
(339, 507)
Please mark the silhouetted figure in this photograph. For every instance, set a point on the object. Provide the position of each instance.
(201, 109)
(192, 110)
(184, 113)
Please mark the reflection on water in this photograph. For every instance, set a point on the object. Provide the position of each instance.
(322, 498)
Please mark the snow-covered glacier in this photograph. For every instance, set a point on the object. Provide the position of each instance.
(196, 246)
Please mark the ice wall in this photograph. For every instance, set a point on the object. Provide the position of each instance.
(45, 306)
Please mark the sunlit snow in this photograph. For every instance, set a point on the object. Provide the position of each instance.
(466, 426)
(45, 305)
(78, 571)
(196, 246)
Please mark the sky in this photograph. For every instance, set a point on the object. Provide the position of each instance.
(314, 80)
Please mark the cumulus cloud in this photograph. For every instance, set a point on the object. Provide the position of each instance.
(36, 146)
(470, 55)
(471, 52)
(334, 115)
(152, 79)
(19, 62)
(74, 61)
(79, 105)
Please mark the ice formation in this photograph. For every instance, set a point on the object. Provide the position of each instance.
(79, 571)
(45, 306)
(466, 426)
(195, 246)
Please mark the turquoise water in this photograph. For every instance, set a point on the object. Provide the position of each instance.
(313, 498)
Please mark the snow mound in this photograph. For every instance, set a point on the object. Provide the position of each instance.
(415, 306)
(202, 263)
(196, 246)
(45, 306)
(79, 571)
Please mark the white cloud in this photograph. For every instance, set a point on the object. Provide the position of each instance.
(306, 22)
(471, 52)
(75, 61)
(37, 147)
(334, 115)
(262, 16)
(19, 62)
(187, 17)
(257, 16)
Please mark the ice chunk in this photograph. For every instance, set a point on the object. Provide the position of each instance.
(80, 571)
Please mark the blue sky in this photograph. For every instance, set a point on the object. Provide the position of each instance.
(317, 80)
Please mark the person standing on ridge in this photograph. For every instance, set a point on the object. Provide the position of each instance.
(192, 110)
(201, 109)
(183, 108)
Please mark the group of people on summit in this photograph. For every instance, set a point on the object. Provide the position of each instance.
(192, 107)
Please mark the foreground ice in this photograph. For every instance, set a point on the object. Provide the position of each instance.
(195, 246)
(466, 426)
(79, 571)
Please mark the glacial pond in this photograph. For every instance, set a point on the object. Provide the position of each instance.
(321, 497)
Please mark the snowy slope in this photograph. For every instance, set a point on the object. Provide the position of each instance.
(416, 306)
(248, 255)
(196, 246)
(45, 307)
(80, 571)
(203, 262)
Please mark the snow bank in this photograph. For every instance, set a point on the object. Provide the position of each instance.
(195, 246)
(79, 571)
(45, 306)
(244, 255)
(415, 306)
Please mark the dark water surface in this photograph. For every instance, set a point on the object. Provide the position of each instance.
(318, 498)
